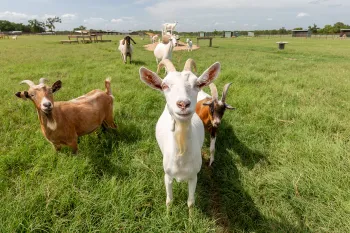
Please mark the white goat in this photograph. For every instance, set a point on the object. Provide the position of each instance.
(14, 37)
(125, 47)
(164, 50)
(169, 27)
(189, 45)
(154, 39)
(179, 130)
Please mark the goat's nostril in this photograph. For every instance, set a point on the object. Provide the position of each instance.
(183, 104)
(47, 104)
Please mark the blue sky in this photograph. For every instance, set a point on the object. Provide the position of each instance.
(191, 15)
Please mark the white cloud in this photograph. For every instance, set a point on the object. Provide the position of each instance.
(245, 25)
(302, 14)
(233, 21)
(117, 20)
(269, 19)
(255, 25)
(15, 15)
(68, 16)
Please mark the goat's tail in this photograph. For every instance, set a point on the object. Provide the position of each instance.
(108, 86)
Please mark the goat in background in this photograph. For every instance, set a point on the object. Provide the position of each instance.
(211, 110)
(125, 47)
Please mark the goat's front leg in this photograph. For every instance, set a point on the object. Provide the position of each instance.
(192, 183)
(169, 189)
(74, 145)
(212, 148)
(57, 147)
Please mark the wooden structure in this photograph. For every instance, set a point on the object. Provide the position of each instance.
(85, 37)
(228, 34)
(281, 44)
(301, 33)
(345, 32)
(205, 38)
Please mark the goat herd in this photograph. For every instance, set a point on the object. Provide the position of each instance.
(179, 130)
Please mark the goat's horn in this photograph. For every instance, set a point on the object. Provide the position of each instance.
(214, 91)
(30, 83)
(189, 65)
(168, 65)
(224, 92)
(42, 80)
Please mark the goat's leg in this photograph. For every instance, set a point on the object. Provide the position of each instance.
(130, 58)
(57, 147)
(109, 119)
(74, 145)
(192, 183)
(169, 189)
(212, 148)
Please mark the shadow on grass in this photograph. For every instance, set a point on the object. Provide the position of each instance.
(105, 148)
(138, 63)
(223, 196)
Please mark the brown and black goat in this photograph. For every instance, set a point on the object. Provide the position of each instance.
(62, 122)
(211, 110)
(125, 48)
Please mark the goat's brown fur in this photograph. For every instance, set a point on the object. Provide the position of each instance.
(70, 119)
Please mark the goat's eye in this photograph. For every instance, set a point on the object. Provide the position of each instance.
(164, 86)
(31, 95)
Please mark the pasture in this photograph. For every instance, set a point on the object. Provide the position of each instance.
(282, 158)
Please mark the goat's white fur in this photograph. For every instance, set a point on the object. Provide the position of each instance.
(125, 49)
(164, 51)
(180, 137)
(169, 27)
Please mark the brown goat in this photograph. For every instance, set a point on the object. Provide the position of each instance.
(63, 122)
(211, 110)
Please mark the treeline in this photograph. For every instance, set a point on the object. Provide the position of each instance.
(33, 25)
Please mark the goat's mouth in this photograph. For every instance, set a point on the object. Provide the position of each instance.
(47, 111)
(184, 115)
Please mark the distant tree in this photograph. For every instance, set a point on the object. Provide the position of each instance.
(81, 27)
(314, 28)
(215, 32)
(339, 25)
(36, 26)
(50, 22)
(328, 29)
(282, 31)
(300, 28)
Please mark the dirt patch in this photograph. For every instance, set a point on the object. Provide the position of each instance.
(180, 46)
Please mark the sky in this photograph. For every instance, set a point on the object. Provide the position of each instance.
(191, 15)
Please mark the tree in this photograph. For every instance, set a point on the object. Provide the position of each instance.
(50, 22)
(36, 26)
(300, 28)
(313, 28)
(282, 31)
(81, 27)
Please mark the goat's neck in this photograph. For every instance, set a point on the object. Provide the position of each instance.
(182, 131)
(47, 121)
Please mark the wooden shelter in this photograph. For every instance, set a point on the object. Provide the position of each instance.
(301, 33)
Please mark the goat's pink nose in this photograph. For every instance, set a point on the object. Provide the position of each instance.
(183, 104)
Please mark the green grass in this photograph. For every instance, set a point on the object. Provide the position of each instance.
(282, 161)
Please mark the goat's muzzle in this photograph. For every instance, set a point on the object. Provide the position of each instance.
(183, 104)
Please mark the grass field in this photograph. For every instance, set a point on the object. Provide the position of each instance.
(282, 161)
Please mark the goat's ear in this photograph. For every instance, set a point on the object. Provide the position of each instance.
(209, 75)
(56, 86)
(229, 107)
(151, 79)
(123, 42)
(23, 95)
